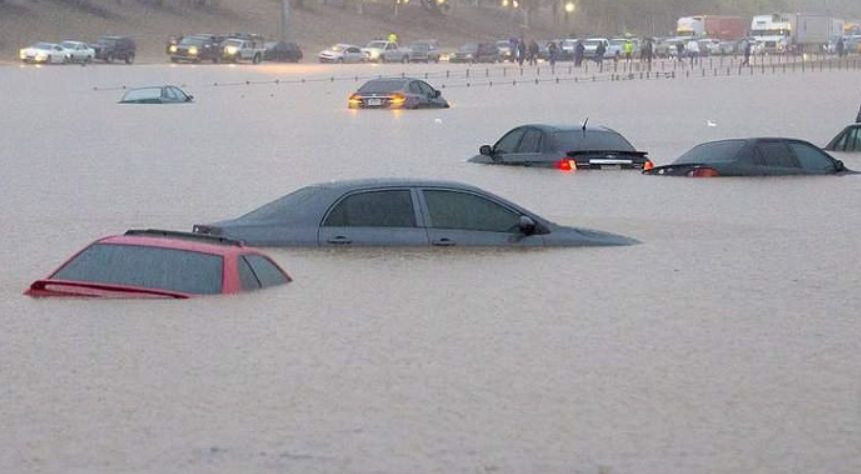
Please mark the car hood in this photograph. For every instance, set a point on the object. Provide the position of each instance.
(581, 237)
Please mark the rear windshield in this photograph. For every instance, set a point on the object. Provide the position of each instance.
(142, 94)
(383, 86)
(470, 47)
(192, 41)
(278, 208)
(149, 267)
(591, 140)
(714, 152)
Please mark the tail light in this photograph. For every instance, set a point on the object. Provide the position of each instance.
(704, 172)
(566, 164)
(648, 165)
(398, 99)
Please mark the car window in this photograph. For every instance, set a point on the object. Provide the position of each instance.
(774, 153)
(812, 158)
(246, 275)
(353, 50)
(853, 139)
(414, 88)
(426, 88)
(267, 273)
(169, 94)
(149, 267)
(577, 140)
(460, 210)
(713, 152)
(509, 142)
(531, 142)
(391, 208)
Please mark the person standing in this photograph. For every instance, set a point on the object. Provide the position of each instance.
(599, 52)
(579, 51)
(629, 50)
(392, 38)
(680, 51)
(533, 52)
(552, 51)
(693, 48)
(841, 47)
(521, 51)
(747, 49)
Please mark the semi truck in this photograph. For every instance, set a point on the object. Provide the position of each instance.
(794, 32)
(725, 28)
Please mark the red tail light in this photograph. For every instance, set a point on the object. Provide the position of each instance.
(648, 165)
(704, 172)
(566, 164)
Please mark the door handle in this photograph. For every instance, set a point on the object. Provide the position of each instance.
(444, 242)
(340, 240)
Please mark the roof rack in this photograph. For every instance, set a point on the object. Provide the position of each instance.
(175, 234)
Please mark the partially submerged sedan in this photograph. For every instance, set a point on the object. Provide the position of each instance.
(160, 264)
(568, 148)
(396, 93)
(400, 212)
(849, 140)
(156, 95)
(752, 157)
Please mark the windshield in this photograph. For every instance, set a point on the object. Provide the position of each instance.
(233, 42)
(775, 32)
(69, 44)
(381, 86)
(108, 41)
(617, 42)
(592, 42)
(149, 267)
(596, 140)
(377, 44)
(42, 46)
(714, 152)
(420, 47)
(469, 48)
(192, 41)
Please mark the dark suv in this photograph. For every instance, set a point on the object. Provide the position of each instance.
(197, 48)
(109, 48)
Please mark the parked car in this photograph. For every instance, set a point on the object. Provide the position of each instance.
(476, 53)
(197, 48)
(752, 157)
(506, 52)
(590, 46)
(43, 53)
(121, 48)
(156, 95)
(848, 140)
(567, 148)
(283, 51)
(342, 54)
(385, 51)
(160, 264)
(424, 51)
(78, 51)
(396, 93)
(400, 212)
(244, 48)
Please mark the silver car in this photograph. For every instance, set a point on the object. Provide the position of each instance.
(341, 54)
(400, 212)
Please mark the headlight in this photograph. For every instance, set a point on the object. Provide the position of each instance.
(231, 50)
(172, 48)
(22, 54)
(41, 56)
(375, 54)
(192, 50)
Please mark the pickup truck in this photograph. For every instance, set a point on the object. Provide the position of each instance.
(250, 48)
(386, 52)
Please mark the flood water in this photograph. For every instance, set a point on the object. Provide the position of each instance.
(726, 342)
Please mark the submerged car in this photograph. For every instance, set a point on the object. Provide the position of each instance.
(400, 212)
(752, 157)
(283, 51)
(156, 95)
(342, 54)
(848, 140)
(44, 53)
(396, 93)
(567, 148)
(160, 264)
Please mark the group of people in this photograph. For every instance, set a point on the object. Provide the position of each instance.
(529, 52)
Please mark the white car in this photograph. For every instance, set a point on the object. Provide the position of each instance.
(78, 52)
(43, 53)
(341, 53)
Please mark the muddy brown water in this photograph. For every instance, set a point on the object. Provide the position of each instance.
(726, 342)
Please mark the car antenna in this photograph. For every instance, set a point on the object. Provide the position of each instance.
(584, 124)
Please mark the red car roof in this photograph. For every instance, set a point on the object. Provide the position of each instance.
(178, 244)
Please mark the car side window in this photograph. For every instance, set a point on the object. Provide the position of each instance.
(414, 88)
(776, 154)
(853, 139)
(266, 271)
(246, 275)
(509, 142)
(425, 88)
(391, 208)
(812, 158)
(352, 50)
(531, 142)
(466, 211)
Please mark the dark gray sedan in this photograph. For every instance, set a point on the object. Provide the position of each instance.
(400, 212)
(752, 157)
(566, 148)
(396, 93)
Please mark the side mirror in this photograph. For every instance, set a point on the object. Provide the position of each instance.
(526, 225)
(189, 98)
(436, 94)
(839, 166)
(485, 150)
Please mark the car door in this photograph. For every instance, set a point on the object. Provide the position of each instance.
(377, 217)
(507, 145)
(528, 151)
(430, 93)
(352, 55)
(812, 159)
(464, 218)
(773, 157)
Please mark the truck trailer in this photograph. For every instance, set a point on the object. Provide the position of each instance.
(725, 28)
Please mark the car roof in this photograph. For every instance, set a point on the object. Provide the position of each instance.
(188, 243)
(551, 128)
(357, 184)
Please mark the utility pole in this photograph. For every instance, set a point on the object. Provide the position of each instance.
(285, 18)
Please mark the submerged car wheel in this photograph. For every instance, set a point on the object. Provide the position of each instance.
(130, 58)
